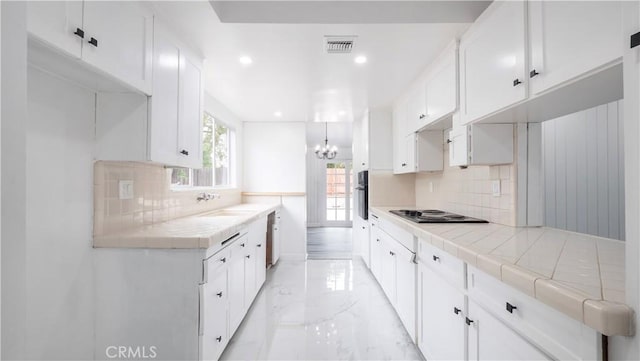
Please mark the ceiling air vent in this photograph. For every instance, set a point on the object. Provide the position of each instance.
(339, 44)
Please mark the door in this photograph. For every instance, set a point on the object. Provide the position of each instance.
(489, 339)
(123, 33)
(163, 125)
(214, 307)
(338, 196)
(57, 24)
(571, 38)
(492, 73)
(190, 120)
(441, 325)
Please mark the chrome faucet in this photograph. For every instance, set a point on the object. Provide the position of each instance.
(206, 196)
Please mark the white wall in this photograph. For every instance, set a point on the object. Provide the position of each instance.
(221, 112)
(14, 115)
(583, 160)
(275, 162)
(59, 201)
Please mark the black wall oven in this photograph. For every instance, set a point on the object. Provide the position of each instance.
(363, 194)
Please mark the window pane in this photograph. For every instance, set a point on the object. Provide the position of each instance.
(180, 177)
(221, 156)
(204, 177)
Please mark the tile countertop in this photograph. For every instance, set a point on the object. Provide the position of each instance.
(577, 274)
(196, 231)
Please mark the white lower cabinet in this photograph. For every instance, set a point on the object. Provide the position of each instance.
(361, 239)
(236, 282)
(406, 289)
(215, 325)
(490, 339)
(441, 329)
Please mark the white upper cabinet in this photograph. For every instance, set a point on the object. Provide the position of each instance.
(190, 119)
(481, 144)
(568, 39)
(113, 37)
(415, 152)
(492, 61)
(372, 141)
(416, 110)
(442, 86)
(57, 23)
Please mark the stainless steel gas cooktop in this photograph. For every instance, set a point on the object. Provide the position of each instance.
(435, 216)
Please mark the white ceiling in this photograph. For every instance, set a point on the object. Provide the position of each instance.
(290, 72)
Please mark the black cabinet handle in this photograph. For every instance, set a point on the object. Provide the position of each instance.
(510, 307)
(184, 151)
(93, 42)
(468, 321)
(260, 245)
(436, 258)
(456, 310)
(635, 40)
(449, 141)
(248, 256)
(223, 259)
(79, 32)
(362, 163)
(219, 294)
(516, 82)
(404, 164)
(422, 116)
(391, 253)
(219, 338)
(533, 73)
(377, 240)
(241, 244)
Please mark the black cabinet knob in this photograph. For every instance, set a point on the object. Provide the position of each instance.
(468, 321)
(517, 82)
(241, 244)
(219, 294)
(377, 240)
(260, 245)
(510, 307)
(436, 258)
(533, 73)
(93, 42)
(422, 116)
(404, 164)
(223, 259)
(362, 163)
(391, 253)
(456, 310)
(248, 256)
(219, 338)
(79, 32)
(184, 151)
(449, 141)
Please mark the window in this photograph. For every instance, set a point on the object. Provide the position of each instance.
(218, 144)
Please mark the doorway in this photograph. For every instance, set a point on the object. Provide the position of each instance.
(331, 239)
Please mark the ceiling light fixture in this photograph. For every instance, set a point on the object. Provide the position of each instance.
(245, 60)
(360, 59)
(277, 114)
(326, 152)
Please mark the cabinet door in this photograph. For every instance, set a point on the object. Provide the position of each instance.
(55, 23)
(490, 339)
(190, 120)
(163, 125)
(376, 256)
(399, 136)
(571, 38)
(249, 275)
(458, 142)
(214, 307)
(492, 73)
(441, 93)
(389, 271)
(406, 290)
(236, 284)
(417, 110)
(365, 245)
(364, 133)
(124, 35)
(441, 331)
(260, 229)
(410, 146)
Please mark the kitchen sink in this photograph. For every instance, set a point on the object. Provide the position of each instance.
(228, 213)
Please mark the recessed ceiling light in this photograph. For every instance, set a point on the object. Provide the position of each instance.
(360, 59)
(277, 114)
(245, 60)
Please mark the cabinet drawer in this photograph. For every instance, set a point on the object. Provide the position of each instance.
(445, 265)
(403, 237)
(556, 333)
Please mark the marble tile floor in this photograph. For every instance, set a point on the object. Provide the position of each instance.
(329, 243)
(321, 310)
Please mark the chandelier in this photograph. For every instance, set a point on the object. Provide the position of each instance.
(326, 152)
